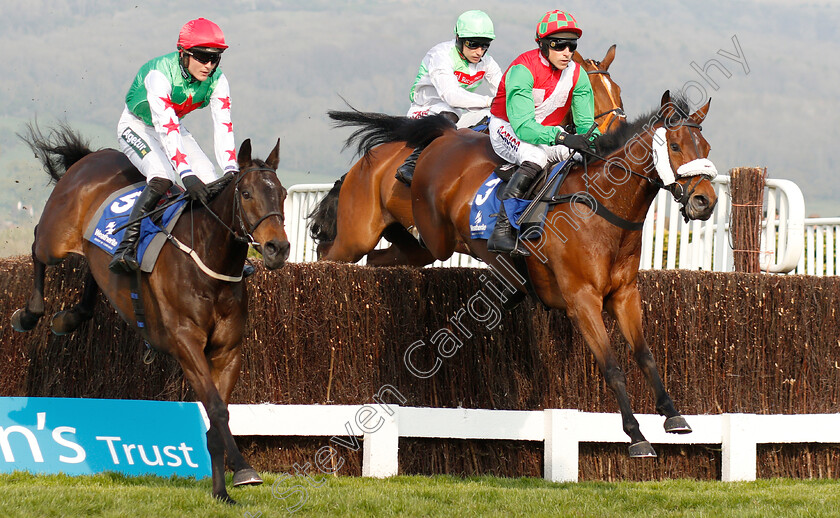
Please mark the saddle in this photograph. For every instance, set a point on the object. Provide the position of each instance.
(105, 229)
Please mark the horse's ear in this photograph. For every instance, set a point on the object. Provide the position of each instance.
(273, 159)
(608, 59)
(244, 157)
(577, 58)
(666, 106)
(700, 114)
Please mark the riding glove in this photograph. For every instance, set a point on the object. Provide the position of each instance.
(196, 188)
(573, 141)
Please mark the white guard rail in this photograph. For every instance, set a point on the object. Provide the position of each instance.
(561, 431)
(706, 245)
(700, 245)
(821, 247)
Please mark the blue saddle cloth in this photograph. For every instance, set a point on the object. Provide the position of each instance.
(114, 213)
(485, 206)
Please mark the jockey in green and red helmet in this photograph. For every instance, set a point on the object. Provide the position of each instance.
(537, 91)
(151, 132)
(450, 74)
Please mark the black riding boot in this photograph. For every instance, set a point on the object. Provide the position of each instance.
(521, 180)
(405, 172)
(504, 238)
(125, 257)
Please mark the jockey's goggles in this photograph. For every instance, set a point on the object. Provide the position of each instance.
(558, 44)
(473, 44)
(204, 57)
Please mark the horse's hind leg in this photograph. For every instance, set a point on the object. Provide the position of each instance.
(26, 318)
(65, 322)
(626, 307)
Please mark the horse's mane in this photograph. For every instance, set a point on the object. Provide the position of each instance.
(57, 151)
(616, 139)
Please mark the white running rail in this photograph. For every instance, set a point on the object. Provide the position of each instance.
(700, 245)
(381, 425)
(822, 243)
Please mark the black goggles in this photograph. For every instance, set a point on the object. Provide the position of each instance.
(558, 44)
(204, 57)
(473, 44)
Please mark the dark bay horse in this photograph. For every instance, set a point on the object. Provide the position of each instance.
(587, 256)
(189, 314)
(369, 203)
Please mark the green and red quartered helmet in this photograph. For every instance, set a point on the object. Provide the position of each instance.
(557, 21)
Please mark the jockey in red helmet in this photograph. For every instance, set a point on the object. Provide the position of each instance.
(151, 133)
(537, 91)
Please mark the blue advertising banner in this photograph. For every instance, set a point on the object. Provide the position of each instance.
(86, 436)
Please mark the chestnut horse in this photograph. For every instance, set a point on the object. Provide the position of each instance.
(369, 203)
(197, 317)
(586, 258)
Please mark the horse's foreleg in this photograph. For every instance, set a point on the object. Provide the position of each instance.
(404, 250)
(189, 351)
(584, 308)
(626, 307)
(225, 366)
(68, 321)
(26, 318)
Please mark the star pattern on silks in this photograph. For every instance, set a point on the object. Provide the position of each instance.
(179, 158)
(183, 108)
(172, 126)
(231, 154)
(229, 126)
(225, 102)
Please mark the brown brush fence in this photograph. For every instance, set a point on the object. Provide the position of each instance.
(329, 333)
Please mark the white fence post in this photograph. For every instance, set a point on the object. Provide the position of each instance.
(562, 446)
(380, 449)
(738, 448)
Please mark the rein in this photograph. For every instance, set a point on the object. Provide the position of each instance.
(237, 216)
(680, 193)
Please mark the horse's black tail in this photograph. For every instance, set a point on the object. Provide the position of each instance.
(57, 151)
(322, 226)
(378, 128)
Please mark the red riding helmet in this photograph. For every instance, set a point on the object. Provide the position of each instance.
(557, 21)
(201, 33)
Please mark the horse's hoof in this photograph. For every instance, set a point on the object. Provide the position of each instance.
(245, 477)
(225, 499)
(677, 424)
(18, 323)
(59, 324)
(642, 449)
(514, 300)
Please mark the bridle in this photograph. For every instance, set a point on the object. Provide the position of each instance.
(237, 209)
(615, 113)
(243, 233)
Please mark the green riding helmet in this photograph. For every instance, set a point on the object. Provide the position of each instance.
(474, 24)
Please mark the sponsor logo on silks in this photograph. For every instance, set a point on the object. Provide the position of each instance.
(135, 142)
(508, 140)
(420, 114)
(109, 228)
(467, 79)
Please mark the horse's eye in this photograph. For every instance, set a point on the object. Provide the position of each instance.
(675, 147)
(246, 195)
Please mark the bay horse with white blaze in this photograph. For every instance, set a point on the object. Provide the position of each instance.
(369, 203)
(586, 258)
(194, 312)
